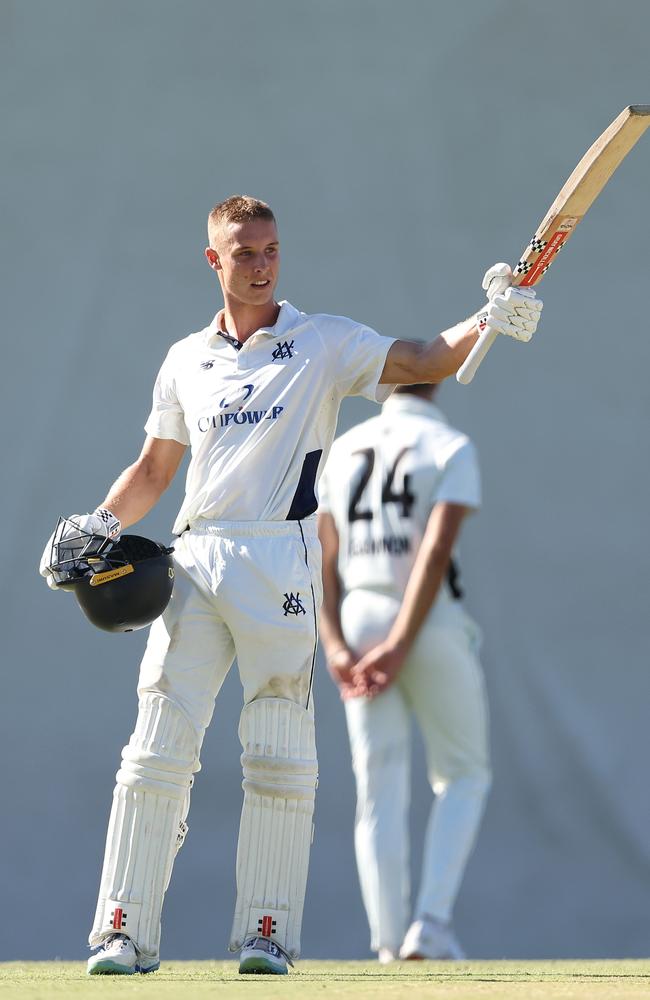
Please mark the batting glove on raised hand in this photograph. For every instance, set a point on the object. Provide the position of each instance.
(70, 540)
(514, 312)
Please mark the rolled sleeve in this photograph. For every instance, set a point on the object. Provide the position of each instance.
(461, 480)
(360, 356)
(167, 417)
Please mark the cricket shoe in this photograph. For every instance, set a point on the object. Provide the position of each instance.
(432, 939)
(118, 957)
(385, 956)
(263, 957)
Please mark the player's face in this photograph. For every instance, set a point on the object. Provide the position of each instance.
(249, 261)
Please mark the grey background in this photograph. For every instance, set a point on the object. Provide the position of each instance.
(405, 147)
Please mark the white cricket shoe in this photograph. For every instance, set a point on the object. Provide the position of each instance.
(261, 956)
(117, 956)
(431, 938)
(385, 956)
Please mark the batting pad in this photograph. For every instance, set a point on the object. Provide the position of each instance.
(275, 832)
(147, 824)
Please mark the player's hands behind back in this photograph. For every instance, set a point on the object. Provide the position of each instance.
(369, 676)
(70, 539)
(340, 666)
(377, 670)
(514, 312)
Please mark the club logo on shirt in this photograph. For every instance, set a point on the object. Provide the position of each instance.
(283, 350)
(236, 397)
(293, 605)
(206, 365)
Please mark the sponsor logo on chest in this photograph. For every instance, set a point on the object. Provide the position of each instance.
(214, 420)
(233, 410)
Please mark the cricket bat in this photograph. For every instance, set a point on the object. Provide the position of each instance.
(579, 192)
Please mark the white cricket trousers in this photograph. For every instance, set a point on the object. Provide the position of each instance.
(247, 589)
(442, 685)
(250, 589)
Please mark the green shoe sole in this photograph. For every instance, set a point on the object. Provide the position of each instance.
(260, 967)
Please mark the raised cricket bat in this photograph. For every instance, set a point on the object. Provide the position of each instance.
(579, 192)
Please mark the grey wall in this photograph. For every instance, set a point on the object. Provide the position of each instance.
(405, 147)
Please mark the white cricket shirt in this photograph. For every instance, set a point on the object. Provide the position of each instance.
(260, 418)
(381, 482)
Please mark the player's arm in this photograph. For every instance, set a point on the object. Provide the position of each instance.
(514, 312)
(130, 497)
(407, 363)
(339, 657)
(381, 665)
(428, 573)
(141, 485)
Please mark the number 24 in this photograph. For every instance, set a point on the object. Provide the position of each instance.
(388, 494)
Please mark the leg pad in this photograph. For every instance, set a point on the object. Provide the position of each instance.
(280, 777)
(147, 824)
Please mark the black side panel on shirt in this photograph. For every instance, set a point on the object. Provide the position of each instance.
(453, 579)
(304, 500)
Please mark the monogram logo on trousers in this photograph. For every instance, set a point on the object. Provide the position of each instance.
(293, 605)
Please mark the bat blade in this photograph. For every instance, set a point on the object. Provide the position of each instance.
(571, 205)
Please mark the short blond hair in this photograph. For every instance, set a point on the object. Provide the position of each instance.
(237, 208)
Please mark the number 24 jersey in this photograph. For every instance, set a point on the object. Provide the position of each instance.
(381, 482)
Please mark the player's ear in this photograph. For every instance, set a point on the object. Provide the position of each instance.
(212, 258)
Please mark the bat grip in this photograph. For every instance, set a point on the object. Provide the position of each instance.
(468, 369)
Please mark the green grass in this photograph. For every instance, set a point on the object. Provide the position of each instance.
(358, 980)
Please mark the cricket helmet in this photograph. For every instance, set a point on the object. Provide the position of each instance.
(120, 585)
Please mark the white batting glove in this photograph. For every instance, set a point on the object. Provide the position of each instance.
(514, 312)
(69, 539)
(496, 279)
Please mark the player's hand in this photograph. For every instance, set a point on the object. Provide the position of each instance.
(340, 666)
(378, 669)
(514, 312)
(496, 279)
(69, 539)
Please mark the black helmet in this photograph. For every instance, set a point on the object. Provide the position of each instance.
(123, 585)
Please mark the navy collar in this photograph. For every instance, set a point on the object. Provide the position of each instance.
(237, 344)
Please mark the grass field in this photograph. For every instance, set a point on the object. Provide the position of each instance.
(359, 980)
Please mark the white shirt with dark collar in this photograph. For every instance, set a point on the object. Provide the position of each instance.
(260, 418)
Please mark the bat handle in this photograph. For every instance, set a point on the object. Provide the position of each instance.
(468, 369)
